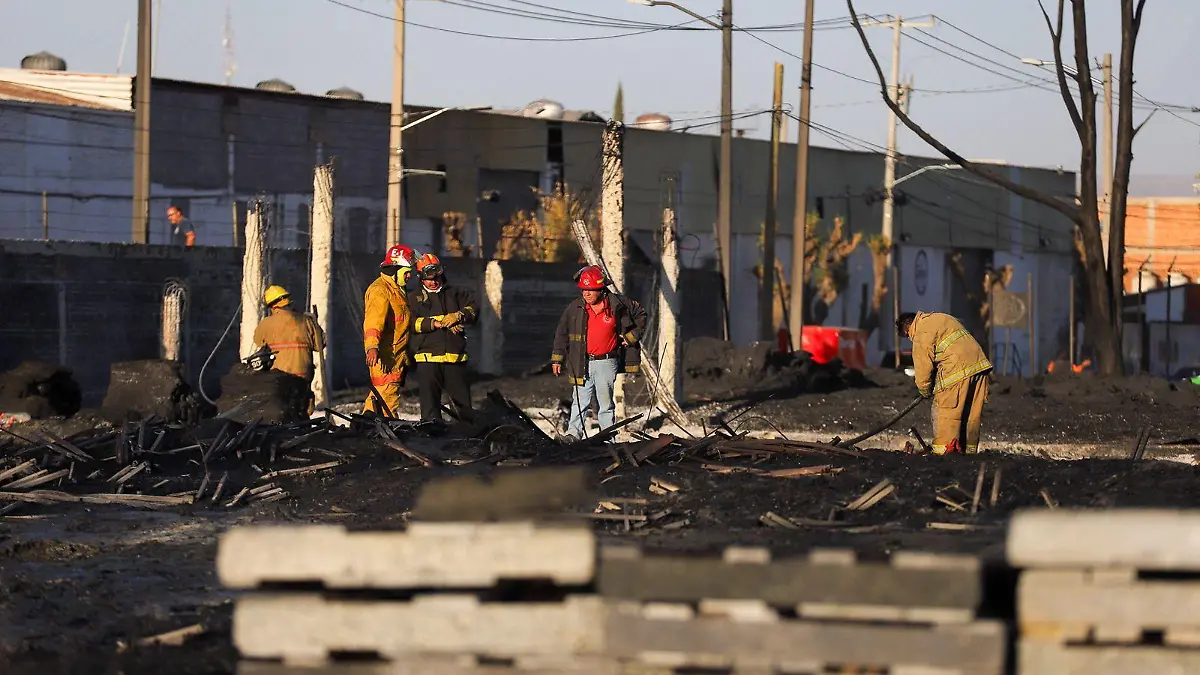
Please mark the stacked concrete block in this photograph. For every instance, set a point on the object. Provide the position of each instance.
(1107, 592)
(440, 597)
(744, 611)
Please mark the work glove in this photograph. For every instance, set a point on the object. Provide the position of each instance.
(458, 329)
(451, 319)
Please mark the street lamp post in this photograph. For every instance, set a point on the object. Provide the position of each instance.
(725, 185)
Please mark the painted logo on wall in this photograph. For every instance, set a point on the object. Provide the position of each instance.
(921, 272)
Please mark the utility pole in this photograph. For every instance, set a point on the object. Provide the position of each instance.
(800, 219)
(725, 189)
(612, 225)
(141, 125)
(395, 211)
(889, 167)
(766, 286)
(1106, 172)
(321, 282)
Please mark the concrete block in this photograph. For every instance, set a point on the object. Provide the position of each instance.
(1043, 658)
(1059, 605)
(517, 494)
(308, 629)
(820, 581)
(638, 633)
(1149, 539)
(446, 555)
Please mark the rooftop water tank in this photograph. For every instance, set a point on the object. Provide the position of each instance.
(43, 61)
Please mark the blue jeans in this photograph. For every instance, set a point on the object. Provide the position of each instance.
(600, 381)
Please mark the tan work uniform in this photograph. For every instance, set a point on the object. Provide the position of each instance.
(386, 327)
(294, 336)
(952, 368)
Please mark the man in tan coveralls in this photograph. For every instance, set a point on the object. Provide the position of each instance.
(953, 369)
(294, 336)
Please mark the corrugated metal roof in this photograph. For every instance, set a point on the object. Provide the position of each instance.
(110, 92)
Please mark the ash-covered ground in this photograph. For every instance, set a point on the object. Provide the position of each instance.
(81, 584)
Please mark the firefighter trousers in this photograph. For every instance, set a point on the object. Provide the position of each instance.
(958, 414)
(436, 378)
(388, 385)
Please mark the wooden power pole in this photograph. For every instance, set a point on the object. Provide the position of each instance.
(141, 125)
(395, 210)
(800, 219)
(766, 286)
(1106, 145)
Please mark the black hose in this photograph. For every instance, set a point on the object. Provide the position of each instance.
(884, 427)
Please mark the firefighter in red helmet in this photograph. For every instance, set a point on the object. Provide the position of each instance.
(386, 320)
(598, 337)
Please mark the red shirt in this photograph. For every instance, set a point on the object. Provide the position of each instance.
(601, 330)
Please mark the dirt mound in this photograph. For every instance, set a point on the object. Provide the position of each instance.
(41, 390)
(272, 396)
(141, 389)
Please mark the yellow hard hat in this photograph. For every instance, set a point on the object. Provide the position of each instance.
(276, 296)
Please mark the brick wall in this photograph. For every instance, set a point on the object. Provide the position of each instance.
(1159, 231)
(88, 305)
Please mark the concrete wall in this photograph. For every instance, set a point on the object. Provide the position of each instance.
(88, 305)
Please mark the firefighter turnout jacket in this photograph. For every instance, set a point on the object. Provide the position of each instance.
(294, 337)
(944, 353)
(440, 345)
(386, 328)
(570, 340)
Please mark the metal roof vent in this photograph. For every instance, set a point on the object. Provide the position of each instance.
(653, 121)
(345, 92)
(275, 84)
(543, 108)
(43, 61)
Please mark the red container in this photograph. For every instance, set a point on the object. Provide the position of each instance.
(826, 343)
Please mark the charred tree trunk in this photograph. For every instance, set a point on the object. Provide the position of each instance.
(1131, 24)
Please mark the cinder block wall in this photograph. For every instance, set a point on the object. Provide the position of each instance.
(87, 305)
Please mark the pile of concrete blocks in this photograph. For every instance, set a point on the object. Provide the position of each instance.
(529, 594)
(1113, 592)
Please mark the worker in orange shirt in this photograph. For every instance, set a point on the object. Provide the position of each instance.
(386, 326)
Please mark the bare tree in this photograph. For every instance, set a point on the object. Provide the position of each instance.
(1105, 283)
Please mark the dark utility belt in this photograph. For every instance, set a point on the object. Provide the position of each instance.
(604, 357)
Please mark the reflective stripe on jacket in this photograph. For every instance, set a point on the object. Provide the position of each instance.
(944, 353)
(294, 336)
(439, 345)
(570, 339)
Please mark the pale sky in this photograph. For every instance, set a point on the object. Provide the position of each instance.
(318, 45)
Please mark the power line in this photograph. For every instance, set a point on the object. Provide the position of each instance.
(516, 38)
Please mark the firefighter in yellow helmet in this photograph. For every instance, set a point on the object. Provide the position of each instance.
(292, 335)
(953, 370)
(386, 326)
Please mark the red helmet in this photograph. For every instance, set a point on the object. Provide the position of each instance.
(399, 255)
(591, 278)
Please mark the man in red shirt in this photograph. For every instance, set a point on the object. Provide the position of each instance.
(597, 338)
